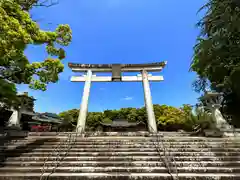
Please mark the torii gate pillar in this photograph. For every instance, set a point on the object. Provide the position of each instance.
(152, 126)
(84, 105)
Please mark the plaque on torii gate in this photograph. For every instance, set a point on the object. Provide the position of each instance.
(116, 70)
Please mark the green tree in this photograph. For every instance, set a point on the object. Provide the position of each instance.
(106, 120)
(111, 114)
(132, 115)
(18, 30)
(26, 102)
(94, 120)
(142, 114)
(168, 117)
(70, 115)
(172, 119)
(187, 109)
(123, 113)
(69, 120)
(202, 120)
(189, 117)
(217, 52)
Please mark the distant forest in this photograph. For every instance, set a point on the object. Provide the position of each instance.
(168, 118)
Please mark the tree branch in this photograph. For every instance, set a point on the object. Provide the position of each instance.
(45, 3)
(28, 4)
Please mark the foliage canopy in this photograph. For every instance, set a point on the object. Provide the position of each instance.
(168, 118)
(217, 52)
(17, 31)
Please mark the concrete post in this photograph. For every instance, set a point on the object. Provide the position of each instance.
(152, 126)
(84, 105)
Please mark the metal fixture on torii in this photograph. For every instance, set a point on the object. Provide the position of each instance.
(117, 70)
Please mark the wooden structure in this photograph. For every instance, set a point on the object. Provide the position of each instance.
(123, 126)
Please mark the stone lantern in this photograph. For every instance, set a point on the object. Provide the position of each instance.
(212, 102)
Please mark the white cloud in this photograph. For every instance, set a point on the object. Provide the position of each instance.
(127, 98)
(102, 89)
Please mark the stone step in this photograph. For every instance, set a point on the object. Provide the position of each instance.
(170, 147)
(110, 142)
(166, 138)
(120, 176)
(109, 149)
(145, 153)
(122, 143)
(154, 145)
(140, 133)
(123, 169)
(123, 163)
(121, 158)
(160, 134)
(133, 138)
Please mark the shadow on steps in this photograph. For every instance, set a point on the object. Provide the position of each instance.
(19, 150)
(224, 148)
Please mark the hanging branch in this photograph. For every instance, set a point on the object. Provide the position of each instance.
(28, 4)
(46, 3)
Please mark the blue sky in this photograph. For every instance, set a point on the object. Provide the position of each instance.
(121, 31)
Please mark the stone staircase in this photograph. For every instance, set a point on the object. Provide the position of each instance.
(119, 156)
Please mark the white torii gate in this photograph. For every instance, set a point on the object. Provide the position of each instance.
(116, 70)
